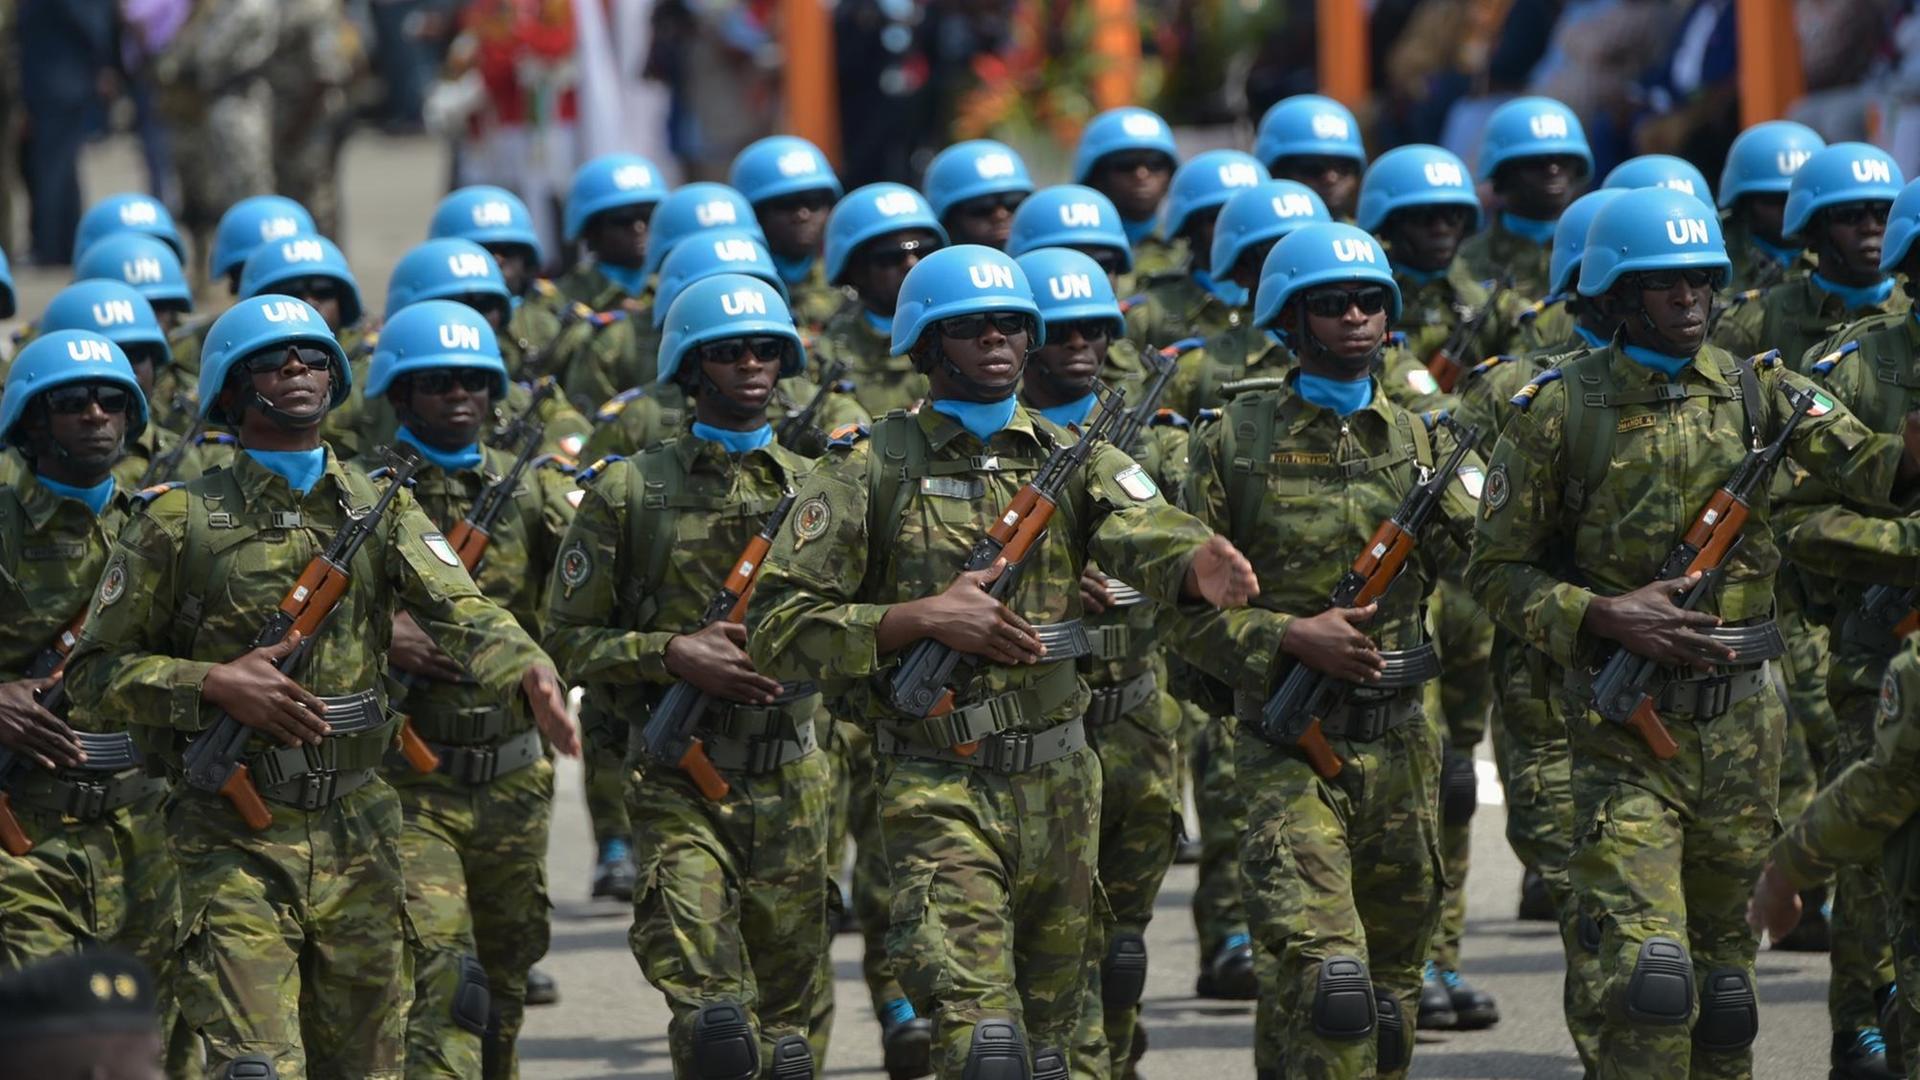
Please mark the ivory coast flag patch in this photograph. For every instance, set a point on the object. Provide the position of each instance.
(1822, 405)
(1136, 483)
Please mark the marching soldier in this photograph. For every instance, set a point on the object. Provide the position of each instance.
(974, 188)
(1760, 168)
(1128, 155)
(876, 236)
(1188, 301)
(1661, 171)
(609, 207)
(498, 221)
(1315, 141)
(1535, 154)
(154, 271)
(793, 189)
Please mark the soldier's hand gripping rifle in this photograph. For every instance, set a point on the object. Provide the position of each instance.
(50, 661)
(800, 421)
(671, 734)
(1451, 360)
(215, 761)
(1291, 717)
(1625, 684)
(923, 686)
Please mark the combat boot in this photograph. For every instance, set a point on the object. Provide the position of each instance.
(541, 989)
(1436, 1005)
(615, 875)
(1228, 976)
(1860, 1055)
(1536, 904)
(906, 1042)
(1473, 1007)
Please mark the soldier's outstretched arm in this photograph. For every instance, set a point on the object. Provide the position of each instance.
(582, 622)
(1846, 544)
(1868, 469)
(806, 620)
(1158, 548)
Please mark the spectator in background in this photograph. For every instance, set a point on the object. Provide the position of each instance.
(66, 50)
(1597, 49)
(1691, 99)
(1844, 50)
(404, 57)
(722, 62)
(88, 1014)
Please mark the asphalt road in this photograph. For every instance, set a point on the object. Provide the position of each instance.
(611, 1024)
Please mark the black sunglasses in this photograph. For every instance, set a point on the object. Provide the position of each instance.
(1110, 260)
(442, 380)
(1857, 213)
(1088, 329)
(1662, 280)
(816, 200)
(1133, 161)
(1426, 217)
(1333, 303)
(74, 399)
(315, 288)
(974, 327)
(988, 205)
(625, 217)
(733, 350)
(485, 303)
(1300, 165)
(271, 360)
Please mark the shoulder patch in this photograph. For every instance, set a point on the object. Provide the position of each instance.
(846, 436)
(1472, 479)
(1497, 490)
(1827, 362)
(1889, 697)
(810, 520)
(1167, 418)
(1136, 483)
(113, 584)
(575, 565)
(617, 404)
(1422, 381)
(1524, 399)
(437, 544)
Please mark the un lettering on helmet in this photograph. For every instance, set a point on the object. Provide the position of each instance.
(628, 177)
(735, 250)
(278, 228)
(1329, 126)
(138, 212)
(1070, 287)
(113, 313)
(298, 251)
(461, 338)
(1445, 174)
(1872, 171)
(1547, 125)
(466, 264)
(797, 163)
(895, 203)
(988, 276)
(1679, 183)
(1789, 161)
(89, 351)
(1292, 205)
(1140, 125)
(140, 271)
(717, 212)
(1349, 250)
(490, 214)
(993, 166)
(1686, 231)
(1238, 174)
(743, 302)
(1079, 215)
(283, 311)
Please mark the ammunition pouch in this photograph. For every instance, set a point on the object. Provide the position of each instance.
(1110, 703)
(977, 720)
(314, 777)
(485, 764)
(112, 778)
(1005, 753)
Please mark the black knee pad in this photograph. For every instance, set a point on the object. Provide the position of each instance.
(1343, 1001)
(1394, 1048)
(792, 1058)
(723, 1044)
(250, 1067)
(998, 1053)
(1123, 976)
(1049, 1064)
(1587, 932)
(472, 999)
(1729, 1012)
(1661, 989)
(1459, 789)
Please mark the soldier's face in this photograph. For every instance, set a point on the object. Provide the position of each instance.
(1852, 235)
(446, 406)
(986, 220)
(1764, 213)
(516, 265)
(1676, 303)
(794, 223)
(1428, 237)
(619, 236)
(1070, 360)
(988, 350)
(325, 294)
(1335, 180)
(1540, 187)
(1111, 260)
(1348, 320)
(291, 382)
(1246, 269)
(882, 263)
(491, 308)
(169, 315)
(78, 419)
(1136, 181)
(143, 366)
(1199, 230)
(744, 369)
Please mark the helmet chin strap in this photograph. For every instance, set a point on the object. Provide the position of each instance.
(1666, 344)
(978, 390)
(1320, 351)
(738, 410)
(284, 419)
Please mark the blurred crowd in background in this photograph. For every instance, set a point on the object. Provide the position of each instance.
(237, 97)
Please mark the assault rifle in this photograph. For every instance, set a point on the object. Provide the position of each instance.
(1892, 609)
(795, 427)
(51, 661)
(1136, 419)
(1451, 360)
(161, 468)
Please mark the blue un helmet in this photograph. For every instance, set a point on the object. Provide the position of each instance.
(1265, 212)
(283, 262)
(1117, 130)
(1570, 238)
(1308, 125)
(695, 208)
(972, 170)
(1903, 224)
(1661, 171)
(251, 222)
(127, 212)
(145, 263)
(868, 213)
(1764, 158)
(9, 303)
(781, 165)
(1070, 287)
(727, 306)
(435, 334)
(1324, 253)
(449, 269)
(1651, 228)
(723, 251)
(1846, 172)
(1206, 183)
(485, 215)
(1415, 175)
(1069, 215)
(61, 358)
(1532, 127)
(966, 279)
(114, 310)
(254, 325)
(608, 182)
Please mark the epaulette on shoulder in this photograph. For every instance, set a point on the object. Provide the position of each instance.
(1132, 302)
(1532, 311)
(617, 404)
(846, 436)
(369, 342)
(1168, 418)
(545, 288)
(1205, 416)
(1480, 369)
(1231, 390)
(217, 438)
(594, 471)
(1397, 339)
(1433, 418)
(1184, 345)
(1524, 399)
(1737, 299)
(1827, 362)
(145, 496)
(562, 462)
(1766, 361)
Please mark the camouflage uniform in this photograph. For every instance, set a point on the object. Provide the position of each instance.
(1792, 317)
(641, 416)
(1346, 867)
(292, 942)
(368, 423)
(1153, 254)
(881, 382)
(1753, 267)
(812, 300)
(1431, 310)
(1173, 305)
(1495, 252)
(732, 901)
(591, 362)
(475, 843)
(312, 64)
(1662, 849)
(1005, 855)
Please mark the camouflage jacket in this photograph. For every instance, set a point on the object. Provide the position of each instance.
(845, 557)
(881, 381)
(365, 423)
(1542, 325)
(1538, 559)
(1152, 255)
(535, 322)
(585, 284)
(597, 358)
(1303, 514)
(1494, 253)
(642, 416)
(813, 301)
(1488, 388)
(1791, 317)
(1753, 268)
(1172, 306)
(190, 582)
(1246, 352)
(1430, 310)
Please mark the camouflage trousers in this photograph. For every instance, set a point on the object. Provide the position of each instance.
(1219, 906)
(1536, 774)
(856, 817)
(1903, 1041)
(1671, 849)
(995, 900)
(224, 155)
(476, 868)
(106, 882)
(732, 904)
(604, 759)
(1861, 926)
(1347, 867)
(1463, 635)
(293, 938)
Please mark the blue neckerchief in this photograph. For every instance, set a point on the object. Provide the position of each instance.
(514, 302)
(982, 418)
(300, 468)
(793, 271)
(1343, 396)
(1137, 230)
(736, 442)
(631, 279)
(1279, 338)
(1670, 366)
(1783, 256)
(1418, 277)
(1073, 413)
(1590, 337)
(450, 461)
(1540, 232)
(96, 497)
(1230, 293)
(1857, 297)
(881, 323)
